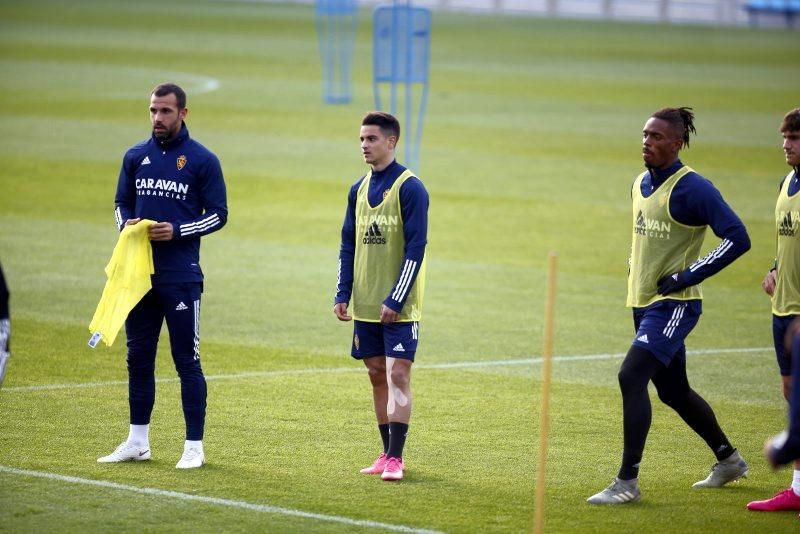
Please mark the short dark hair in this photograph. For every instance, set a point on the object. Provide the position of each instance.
(388, 124)
(791, 121)
(165, 89)
(682, 119)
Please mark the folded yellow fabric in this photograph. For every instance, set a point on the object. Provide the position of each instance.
(128, 274)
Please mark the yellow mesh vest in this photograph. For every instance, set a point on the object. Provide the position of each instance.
(661, 246)
(128, 280)
(786, 300)
(380, 249)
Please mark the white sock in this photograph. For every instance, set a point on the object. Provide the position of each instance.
(139, 435)
(796, 482)
(189, 444)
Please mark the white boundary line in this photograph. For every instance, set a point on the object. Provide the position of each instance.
(215, 501)
(453, 365)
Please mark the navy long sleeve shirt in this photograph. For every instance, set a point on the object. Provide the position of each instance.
(696, 202)
(180, 182)
(794, 185)
(414, 203)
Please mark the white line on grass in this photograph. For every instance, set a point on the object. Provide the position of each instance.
(215, 500)
(356, 369)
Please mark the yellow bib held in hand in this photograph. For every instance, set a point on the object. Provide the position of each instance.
(128, 274)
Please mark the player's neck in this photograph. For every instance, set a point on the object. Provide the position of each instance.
(381, 166)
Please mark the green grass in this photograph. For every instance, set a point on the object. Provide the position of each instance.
(531, 143)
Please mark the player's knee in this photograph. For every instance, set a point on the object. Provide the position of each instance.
(668, 396)
(141, 366)
(377, 375)
(188, 368)
(400, 378)
(634, 373)
(629, 381)
(674, 395)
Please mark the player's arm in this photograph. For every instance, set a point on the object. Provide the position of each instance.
(347, 252)
(215, 208)
(414, 202)
(702, 204)
(125, 198)
(768, 284)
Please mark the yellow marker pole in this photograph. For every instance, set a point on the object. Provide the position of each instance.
(547, 376)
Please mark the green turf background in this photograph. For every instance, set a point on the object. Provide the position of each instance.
(531, 141)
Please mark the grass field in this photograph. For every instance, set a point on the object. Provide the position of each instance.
(532, 140)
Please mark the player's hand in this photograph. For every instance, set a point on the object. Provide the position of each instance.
(388, 315)
(131, 222)
(768, 285)
(161, 231)
(671, 284)
(340, 309)
(774, 443)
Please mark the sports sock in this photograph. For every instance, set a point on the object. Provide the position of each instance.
(629, 469)
(632, 483)
(192, 444)
(139, 435)
(384, 430)
(397, 439)
(796, 482)
(726, 452)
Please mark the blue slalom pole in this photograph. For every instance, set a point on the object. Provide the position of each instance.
(336, 22)
(401, 57)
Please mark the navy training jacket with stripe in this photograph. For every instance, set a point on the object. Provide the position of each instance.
(180, 182)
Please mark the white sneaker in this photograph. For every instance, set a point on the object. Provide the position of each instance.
(127, 452)
(192, 457)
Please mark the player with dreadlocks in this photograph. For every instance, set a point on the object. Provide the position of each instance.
(672, 207)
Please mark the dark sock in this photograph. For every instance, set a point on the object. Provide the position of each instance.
(630, 465)
(724, 451)
(384, 430)
(397, 439)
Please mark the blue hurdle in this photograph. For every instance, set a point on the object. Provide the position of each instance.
(787, 8)
(401, 55)
(336, 21)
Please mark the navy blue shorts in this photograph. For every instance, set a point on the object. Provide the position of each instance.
(398, 340)
(779, 327)
(662, 327)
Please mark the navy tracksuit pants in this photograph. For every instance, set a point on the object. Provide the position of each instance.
(179, 304)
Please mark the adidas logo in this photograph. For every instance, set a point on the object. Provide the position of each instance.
(643, 339)
(181, 306)
(146, 160)
(398, 348)
(373, 235)
(787, 226)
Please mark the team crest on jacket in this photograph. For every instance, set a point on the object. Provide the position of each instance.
(181, 161)
(385, 194)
